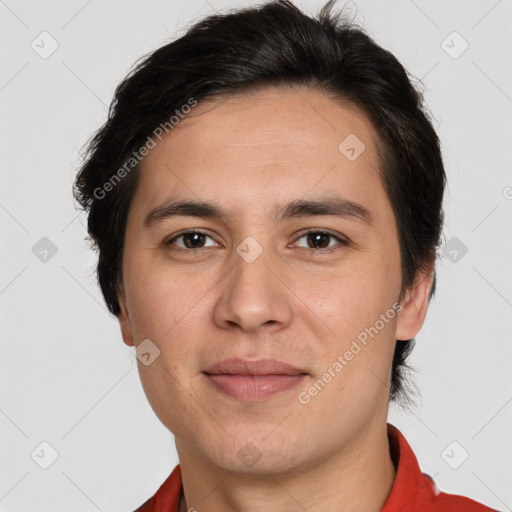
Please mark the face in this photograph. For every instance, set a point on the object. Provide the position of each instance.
(257, 280)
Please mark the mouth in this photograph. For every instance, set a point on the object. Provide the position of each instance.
(253, 380)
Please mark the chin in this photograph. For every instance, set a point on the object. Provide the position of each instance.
(259, 451)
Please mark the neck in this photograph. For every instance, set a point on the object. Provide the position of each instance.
(360, 476)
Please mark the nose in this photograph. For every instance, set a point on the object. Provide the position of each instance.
(256, 293)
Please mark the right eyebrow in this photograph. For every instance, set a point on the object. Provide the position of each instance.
(183, 208)
(324, 206)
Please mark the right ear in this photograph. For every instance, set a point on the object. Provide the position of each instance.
(124, 322)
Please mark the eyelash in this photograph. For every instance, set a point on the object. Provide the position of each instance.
(342, 241)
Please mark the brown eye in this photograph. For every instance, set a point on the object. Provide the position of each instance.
(318, 240)
(321, 240)
(190, 240)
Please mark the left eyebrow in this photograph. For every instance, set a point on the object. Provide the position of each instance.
(330, 206)
(326, 206)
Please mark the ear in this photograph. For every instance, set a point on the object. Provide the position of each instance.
(124, 322)
(414, 305)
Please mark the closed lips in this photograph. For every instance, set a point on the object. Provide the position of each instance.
(237, 366)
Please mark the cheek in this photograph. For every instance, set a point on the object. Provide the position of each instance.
(348, 306)
(162, 311)
(170, 394)
(166, 308)
(156, 299)
(349, 298)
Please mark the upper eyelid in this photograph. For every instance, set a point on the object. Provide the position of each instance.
(340, 237)
(187, 232)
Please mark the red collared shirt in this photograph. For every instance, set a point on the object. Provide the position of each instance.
(413, 491)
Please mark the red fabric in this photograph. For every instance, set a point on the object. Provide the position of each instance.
(167, 498)
(413, 491)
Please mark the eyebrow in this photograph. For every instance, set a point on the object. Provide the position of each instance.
(326, 206)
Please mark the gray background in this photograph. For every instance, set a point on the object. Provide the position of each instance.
(66, 376)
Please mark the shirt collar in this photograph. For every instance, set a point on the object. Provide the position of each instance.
(409, 480)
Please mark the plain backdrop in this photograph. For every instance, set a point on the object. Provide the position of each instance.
(68, 380)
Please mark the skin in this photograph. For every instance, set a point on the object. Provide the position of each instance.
(251, 153)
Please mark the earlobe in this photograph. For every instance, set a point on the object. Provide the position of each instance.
(126, 326)
(414, 306)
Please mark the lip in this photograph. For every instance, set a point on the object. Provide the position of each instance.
(236, 366)
(253, 380)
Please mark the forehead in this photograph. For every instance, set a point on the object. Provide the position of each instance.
(268, 143)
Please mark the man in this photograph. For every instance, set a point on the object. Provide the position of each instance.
(266, 198)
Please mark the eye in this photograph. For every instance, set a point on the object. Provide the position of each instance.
(320, 240)
(191, 240)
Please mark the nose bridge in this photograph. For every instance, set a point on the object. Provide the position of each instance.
(252, 294)
(251, 261)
